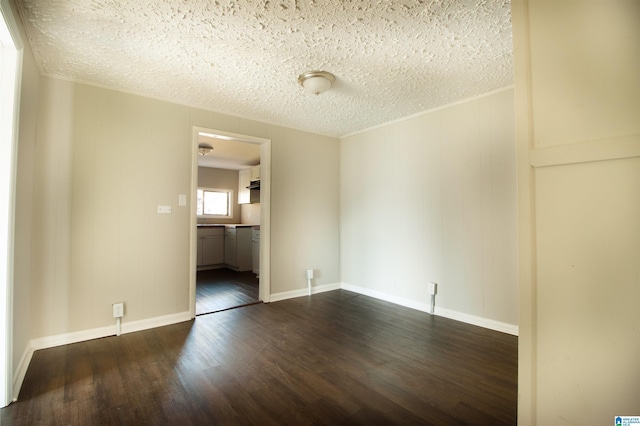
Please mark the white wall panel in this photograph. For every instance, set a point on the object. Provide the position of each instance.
(588, 289)
(51, 231)
(106, 160)
(577, 107)
(584, 54)
(304, 209)
(432, 198)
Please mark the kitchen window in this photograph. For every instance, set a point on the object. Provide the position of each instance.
(215, 203)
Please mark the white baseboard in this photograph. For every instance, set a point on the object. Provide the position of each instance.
(21, 370)
(446, 313)
(81, 336)
(479, 321)
(424, 307)
(74, 337)
(275, 297)
(145, 324)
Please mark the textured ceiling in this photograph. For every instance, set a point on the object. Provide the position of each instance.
(391, 59)
(228, 153)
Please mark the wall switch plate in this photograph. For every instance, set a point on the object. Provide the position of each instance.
(182, 200)
(164, 209)
(118, 310)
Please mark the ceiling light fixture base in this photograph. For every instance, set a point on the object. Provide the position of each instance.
(204, 149)
(316, 82)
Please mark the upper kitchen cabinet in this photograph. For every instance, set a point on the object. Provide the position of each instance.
(244, 179)
(249, 185)
(255, 173)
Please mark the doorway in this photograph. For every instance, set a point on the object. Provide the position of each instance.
(247, 286)
(222, 289)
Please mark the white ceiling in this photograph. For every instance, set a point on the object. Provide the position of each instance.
(391, 59)
(228, 153)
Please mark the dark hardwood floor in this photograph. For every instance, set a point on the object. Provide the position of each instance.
(221, 289)
(332, 358)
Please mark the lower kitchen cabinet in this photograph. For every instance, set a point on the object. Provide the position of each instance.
(237, 248)
(255, 243)
(210, 247)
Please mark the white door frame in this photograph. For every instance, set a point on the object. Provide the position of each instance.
(11, 49)
(265, 212)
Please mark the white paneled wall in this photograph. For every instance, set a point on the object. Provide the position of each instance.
(433, 198)
(104, 161)
(130, 155)
(305, 175)
(577, 107)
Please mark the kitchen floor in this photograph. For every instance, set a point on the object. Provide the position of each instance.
(222, 289)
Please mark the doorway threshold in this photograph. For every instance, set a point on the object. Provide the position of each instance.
(228, 309)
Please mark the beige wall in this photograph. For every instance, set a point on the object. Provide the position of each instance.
(433, 199)
(88, 232)
(577, 109)
(209, 177)
(250, 213)
(305, 227)
(130, 154)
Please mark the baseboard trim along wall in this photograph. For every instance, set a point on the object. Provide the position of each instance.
(145, 324)
(446, 313)
(424, 307)
(81, 336)
(304, 292)
(479, 321)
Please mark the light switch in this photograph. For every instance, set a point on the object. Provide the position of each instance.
(182, 199)
(164, 209)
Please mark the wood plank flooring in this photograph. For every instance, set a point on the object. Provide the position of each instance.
(332, 358)
(221, 289)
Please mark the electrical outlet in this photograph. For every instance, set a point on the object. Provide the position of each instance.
(433, 288)
(118, 310)
(309, 274)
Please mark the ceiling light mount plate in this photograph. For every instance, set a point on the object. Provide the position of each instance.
(204, 149)
(316, 82)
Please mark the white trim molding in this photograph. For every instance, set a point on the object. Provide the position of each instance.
(442, 312)
(276, 297)
(479, 321)
(585, 152)
(11, 53)
(84, 335)
(146, 324)
(110, 330)
(408, 303)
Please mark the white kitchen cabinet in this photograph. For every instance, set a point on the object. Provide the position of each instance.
(255, 172)
(210, 247)
(244, 179)
(255, 243)
(237, 248)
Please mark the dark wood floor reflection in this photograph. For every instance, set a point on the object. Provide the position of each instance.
(333, 358)
(221, 289)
